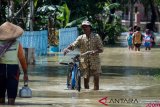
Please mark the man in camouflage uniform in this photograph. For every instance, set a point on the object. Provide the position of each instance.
(90, 63)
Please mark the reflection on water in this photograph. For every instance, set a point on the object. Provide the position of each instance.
(126, 74)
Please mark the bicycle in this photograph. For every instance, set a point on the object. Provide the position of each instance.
(74, 73)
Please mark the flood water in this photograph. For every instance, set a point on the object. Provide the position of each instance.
(129, 79)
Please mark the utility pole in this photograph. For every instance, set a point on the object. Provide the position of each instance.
(30, 57)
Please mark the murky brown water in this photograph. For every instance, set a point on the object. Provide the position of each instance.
(128, 80)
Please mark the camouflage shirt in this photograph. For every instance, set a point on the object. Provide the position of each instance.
(90, 62)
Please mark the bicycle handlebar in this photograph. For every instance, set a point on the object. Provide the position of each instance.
(76, 58)
(63, 63)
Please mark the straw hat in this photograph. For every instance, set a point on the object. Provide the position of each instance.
(10, 31)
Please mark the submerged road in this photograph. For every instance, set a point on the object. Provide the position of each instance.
(129, 79)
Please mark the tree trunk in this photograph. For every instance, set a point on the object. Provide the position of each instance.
(20, 10)
(153, 16)
(131, 13)
(31, 14)
(0, 8)
(31, 51)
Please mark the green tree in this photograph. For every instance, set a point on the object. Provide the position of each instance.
(108, 25)
(58, 14)
(101, 14)
(152, 5)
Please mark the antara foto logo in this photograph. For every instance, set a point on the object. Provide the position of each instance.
(105, 101)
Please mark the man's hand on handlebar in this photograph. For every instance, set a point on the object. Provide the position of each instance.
(93, 53)
(87, 52)
(65, 51)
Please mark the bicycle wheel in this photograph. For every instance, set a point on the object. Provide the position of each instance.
(78, 80)
(73, 80)
(73, 76)
(69, 70)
